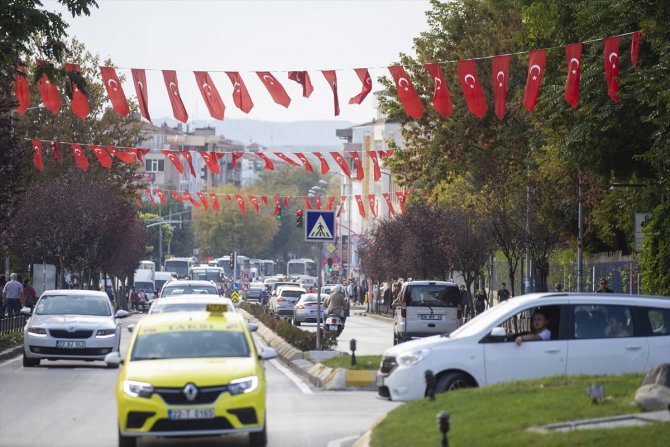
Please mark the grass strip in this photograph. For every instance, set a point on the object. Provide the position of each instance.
(362, 362)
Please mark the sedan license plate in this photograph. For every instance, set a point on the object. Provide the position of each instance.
(70, 344)
(191, 413)
(431, 317)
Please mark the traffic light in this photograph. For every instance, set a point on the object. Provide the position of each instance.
(330, 265)
(232, 262)
(278, 213)
(298, 218)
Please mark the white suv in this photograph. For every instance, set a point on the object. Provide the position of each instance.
(589, 334)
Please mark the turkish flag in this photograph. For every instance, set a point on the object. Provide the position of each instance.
(210, 160)
(190, 198)
(79, 157)
(139, 153)
(203, 200)
(472, 89)
(141, 90)
(215, 201)
(54, 148)
(305, 162)
(236, 156)
(635, 47)
(274, 88)
(241, 204)
(114, 90)
(49, 92)
(264, 199)
(254, 202)
(611, 45)
(302, 78)
(276, 205)
(359, 166)
(324, 164)
(573, 54)
(331, 77)
(339, 209)
(287, 159)
(402, 197)
(174, 158)
(341, 162)
(241, 96)
(210, 94)
(377, 174)
(161, 195)
(372, 201)
(361, 208)
(364, 76)
(21, 88)
(138, 201)
(286, 199)
(268, 163)
(408, 96)
(317, 202)
(151, 197)
(536, 60)
(177, 196)
(329, 205)
(127, 158)
(172, 85)
(385, 154)
(102, 156)
(500, 70)
(189, 160)
(37, 154)
(308, 204)
(441, 98)
(388, 202)
(79, 103)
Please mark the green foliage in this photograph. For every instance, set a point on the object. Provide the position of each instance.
(363, 362)
(9, 341)
(655, 256)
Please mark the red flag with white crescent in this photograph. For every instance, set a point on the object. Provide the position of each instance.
(210, 160)
(364, 76)
(268, 163)
(385, 154)
(174, 158)
(210, 94)
(79, 103)
(151, 197)
(215, 201)
(402, 196)
(37, 154)
(308, 204)
(635, 48)
(286, 199)
(254, 202)
(114, 90)
(331, 77)
(172, 86)
(189, 160)
(331, 202)
(388, 202)
(54, 148)
(277, 198)
(287, 159)
(472, 89)
(359, 202)
(377, 174)
(241, 204)
(372, 201)
(21, 88)
(177, 196)
(536, 60)
(573, 54)
(317, 202)
(305, 162)
(236, 156)
(275, 89)
(441, 97)
(341, 162)
(339, 209)
(203, 200)
(102, 156)
(49, 92)
(324, 164)
(127, 158)
(241, 96)
(359, 166)
(138, 201)
(500, 70)
(190, 198)
(264, 199)
(141, 90)
(79, 157)
(406, 93)
(139, 153)
(611, 45)
(161, 195)
(302, 78)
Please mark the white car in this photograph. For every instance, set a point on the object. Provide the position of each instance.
(71, 325)
(588, 334)
(188, 303)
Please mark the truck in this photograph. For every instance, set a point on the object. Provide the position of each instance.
(163, 277)
(145, 279)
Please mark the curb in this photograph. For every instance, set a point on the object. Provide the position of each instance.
(11, 353)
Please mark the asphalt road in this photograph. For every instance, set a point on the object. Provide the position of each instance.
(73, 404)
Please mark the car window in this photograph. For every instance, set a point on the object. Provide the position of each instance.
(659, 321)
(74, 305)
(199, 290)
(521, 323)
(190, 344)
(292, 293)
(602, 321)
(432, 295)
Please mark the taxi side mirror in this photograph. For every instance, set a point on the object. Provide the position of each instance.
(268, 354)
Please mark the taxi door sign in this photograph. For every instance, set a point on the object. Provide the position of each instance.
(214, 307)
(320, 226)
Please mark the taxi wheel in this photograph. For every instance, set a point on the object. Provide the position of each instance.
(259, 438)
(28, 362)
(127, 441)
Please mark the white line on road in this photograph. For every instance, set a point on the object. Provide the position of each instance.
(341, 441)
(295, 379)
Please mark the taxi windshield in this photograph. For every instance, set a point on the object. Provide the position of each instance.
(190, 344)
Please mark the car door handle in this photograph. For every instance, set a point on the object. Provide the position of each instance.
(633, 348)
(552, 351)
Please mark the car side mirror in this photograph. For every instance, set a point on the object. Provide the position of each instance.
(498, 333)
(26, 311)
(268, 354)
(114, 358)
(253, 327)
(121, 313)
(131, 327)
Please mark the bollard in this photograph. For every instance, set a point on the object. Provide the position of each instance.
(443, 425)
(430, 384)
(352, 347)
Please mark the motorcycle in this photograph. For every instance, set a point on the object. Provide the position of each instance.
(333, 324)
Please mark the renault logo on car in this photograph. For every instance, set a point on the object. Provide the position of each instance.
(190, 392)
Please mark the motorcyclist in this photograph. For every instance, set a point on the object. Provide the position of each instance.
(335, 303)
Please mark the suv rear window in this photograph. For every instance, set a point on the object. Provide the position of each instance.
(432, 295)
(292, 293)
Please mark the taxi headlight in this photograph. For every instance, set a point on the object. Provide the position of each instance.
(244, 385)
(105, 332)
(37, 330)
(137, 389)
(413, 357)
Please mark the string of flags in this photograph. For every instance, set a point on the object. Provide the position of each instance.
(414, 107)
(212, 159)
(210, 201)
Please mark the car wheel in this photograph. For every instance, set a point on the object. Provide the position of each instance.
(29, 363)
(258, 438)
(295, 322)
(112, 365)
(127, 441)
(453, 381)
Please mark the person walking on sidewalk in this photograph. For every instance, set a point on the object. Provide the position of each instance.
(480, 301)
(12, 295)
(29, 294)
(503, 293)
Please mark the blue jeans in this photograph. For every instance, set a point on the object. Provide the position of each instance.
(13, 306)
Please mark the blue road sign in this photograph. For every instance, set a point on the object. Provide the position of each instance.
(320, 226)
(234, 286)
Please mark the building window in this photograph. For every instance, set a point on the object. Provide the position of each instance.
(153, 165)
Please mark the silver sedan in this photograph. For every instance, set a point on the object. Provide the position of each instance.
(305, 310)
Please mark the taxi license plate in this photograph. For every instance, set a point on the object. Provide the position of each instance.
(431, 317)
(70, 344)
(191, 413)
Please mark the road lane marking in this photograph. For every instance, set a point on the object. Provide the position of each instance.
(341, 441)
(295, 379)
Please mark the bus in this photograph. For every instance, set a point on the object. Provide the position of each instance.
(302, 266)
(267, 268)
(149, 265)
(207, 273)
(180, 266)
(241, 263)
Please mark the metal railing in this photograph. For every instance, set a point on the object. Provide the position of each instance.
(9, 325)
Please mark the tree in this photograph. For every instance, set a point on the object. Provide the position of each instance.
(655, 256)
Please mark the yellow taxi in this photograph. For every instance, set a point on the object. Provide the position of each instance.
(191, 374)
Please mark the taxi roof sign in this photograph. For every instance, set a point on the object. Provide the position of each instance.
(215, 307)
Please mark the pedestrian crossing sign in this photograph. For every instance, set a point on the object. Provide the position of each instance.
(320, 226)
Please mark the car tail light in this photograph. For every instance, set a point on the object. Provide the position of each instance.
(281, 299)
(403, 305)
(333, 321)
(299, 306)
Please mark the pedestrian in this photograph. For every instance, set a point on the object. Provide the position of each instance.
(29, 294)
(463, 301)
(12, 295)
(480, 301)
(3, 281)
(142, 296)
(133, 298)
(503, 293)
(603, 287)
(558, 287)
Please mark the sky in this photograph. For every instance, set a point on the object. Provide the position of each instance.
(248, 36)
